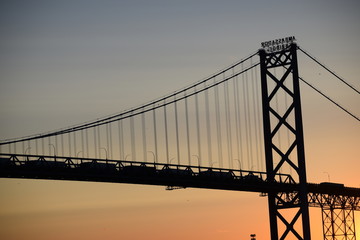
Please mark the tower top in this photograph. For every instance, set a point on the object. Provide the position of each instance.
(277, 44)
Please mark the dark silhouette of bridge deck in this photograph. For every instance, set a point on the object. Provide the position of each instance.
(170, 175)
(122, 171)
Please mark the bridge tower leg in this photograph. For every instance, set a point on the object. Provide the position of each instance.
(288, 211)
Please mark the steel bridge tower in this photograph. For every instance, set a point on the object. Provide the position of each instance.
(289, 212)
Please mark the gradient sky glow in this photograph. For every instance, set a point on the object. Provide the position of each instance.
(67, 62)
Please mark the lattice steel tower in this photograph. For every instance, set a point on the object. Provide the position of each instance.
(289, 211)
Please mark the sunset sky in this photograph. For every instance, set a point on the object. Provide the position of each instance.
(67, 62)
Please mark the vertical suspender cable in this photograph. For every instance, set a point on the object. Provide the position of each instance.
(144, 135)
(42, 145)
(107, 140)
(37, 147)
(29, 145)
(218, 124)
(87, 142)
(74, 143)
(246, 116)
(49, 145)
(62, 144)
(69, 138)
(237, 119)
(56, 142)
(198, 126)
(254, 107)
(177, 132)
(155, 135)
(249, 122)
(132, 133)
(111, 145)
(262, 161)
(187, 129)
(208, 127)
(110, 141)
(245, 113)
(121, 151)
(95, 142)
(121, 140)
(166, 134)
(8, 148)
(99, 140)
(228, 123)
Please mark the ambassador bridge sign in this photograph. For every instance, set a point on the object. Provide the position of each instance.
(277, 44)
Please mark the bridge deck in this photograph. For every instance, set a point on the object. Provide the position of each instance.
(117, 171)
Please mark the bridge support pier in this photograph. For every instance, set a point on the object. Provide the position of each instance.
(338, 223)
(288, 211)
(338, 213)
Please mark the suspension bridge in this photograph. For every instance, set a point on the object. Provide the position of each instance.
(239, 129)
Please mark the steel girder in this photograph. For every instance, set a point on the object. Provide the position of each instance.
(325, 201)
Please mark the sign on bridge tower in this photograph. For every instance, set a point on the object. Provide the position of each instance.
(289, 212)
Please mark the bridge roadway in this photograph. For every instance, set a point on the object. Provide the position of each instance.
(172, 176)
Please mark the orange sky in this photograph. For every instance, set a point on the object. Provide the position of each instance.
(73, 210)
(76, 210)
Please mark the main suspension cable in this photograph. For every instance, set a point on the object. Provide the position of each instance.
(332, 72)
(328, 98)
(138, 110)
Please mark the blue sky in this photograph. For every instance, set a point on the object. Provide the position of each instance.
(63, 49)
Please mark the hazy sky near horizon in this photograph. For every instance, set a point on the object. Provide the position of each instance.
(67, 62)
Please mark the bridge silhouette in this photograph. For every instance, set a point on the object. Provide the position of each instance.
(239, 129)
